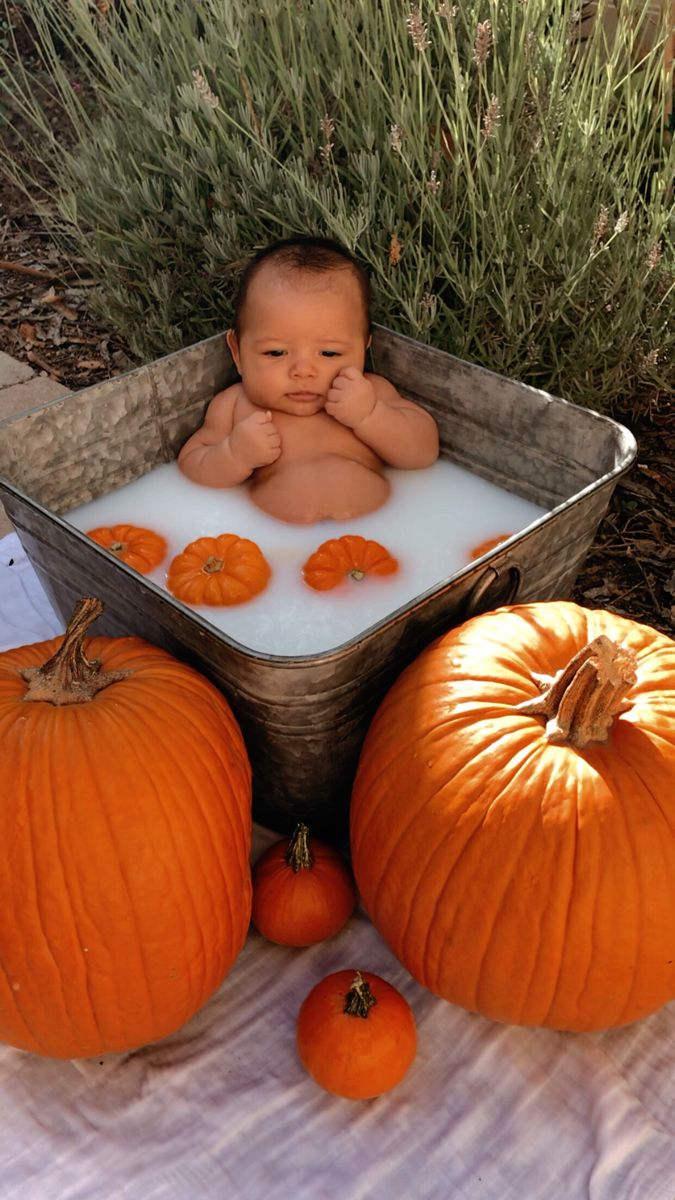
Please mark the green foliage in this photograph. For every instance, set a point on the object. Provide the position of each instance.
(508, 191)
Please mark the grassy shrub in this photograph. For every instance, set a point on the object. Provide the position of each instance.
(508, 192)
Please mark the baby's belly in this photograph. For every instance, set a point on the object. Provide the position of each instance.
(302, 491)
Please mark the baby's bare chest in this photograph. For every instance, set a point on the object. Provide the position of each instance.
(319, 434)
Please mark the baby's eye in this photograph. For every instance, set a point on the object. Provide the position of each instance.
(330, 353)
(274, 353)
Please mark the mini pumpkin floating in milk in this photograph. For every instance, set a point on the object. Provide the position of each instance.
(308, 430)
(142, 549)
(344, 558)
(221, 571)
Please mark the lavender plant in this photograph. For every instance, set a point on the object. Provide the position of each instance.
(510, 191)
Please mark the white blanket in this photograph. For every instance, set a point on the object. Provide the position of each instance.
(223, 1110)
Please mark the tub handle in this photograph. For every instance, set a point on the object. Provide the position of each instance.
(493, 589)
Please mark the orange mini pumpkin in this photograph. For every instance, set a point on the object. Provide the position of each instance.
(356, 1035)
(125, 797)
(142, 549)
(346, 557)
(301, 894)
(489, 544)
(222, 570)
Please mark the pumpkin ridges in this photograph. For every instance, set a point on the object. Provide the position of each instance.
(22, 1032)
(194, 725)
(186, 928)
(190, 733)
(15, 932)
(537, 993)
(185, 688)
(137, 959)
(76, 995)
(500, 881)
(131, 748)
(418, 944)
(575, 974)
(635, 799)
(96, 803)
(239, 830)
(579, 938)
(39, 927)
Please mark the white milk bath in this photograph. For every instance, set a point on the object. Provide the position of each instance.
(431, 523)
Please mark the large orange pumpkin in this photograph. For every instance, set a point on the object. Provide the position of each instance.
(124, 841)
(513, 835)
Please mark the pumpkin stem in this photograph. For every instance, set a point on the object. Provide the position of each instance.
(356, 574)
(69, 677)
(581, 701)
(213, 565)
(298, 855)
(359, 999)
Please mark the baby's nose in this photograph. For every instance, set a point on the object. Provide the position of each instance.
(302, 365)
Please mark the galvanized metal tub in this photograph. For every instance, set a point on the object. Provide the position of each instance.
(304, 717)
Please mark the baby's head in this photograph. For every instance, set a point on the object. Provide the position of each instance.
(302, 316)
(304, 261)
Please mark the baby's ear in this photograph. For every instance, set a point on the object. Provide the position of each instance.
(233, 346)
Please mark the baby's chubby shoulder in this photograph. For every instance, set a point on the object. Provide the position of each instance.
(228, 397)
(227, 406)
(384, 390)
(380, 383)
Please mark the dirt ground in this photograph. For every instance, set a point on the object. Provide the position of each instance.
(46, 320)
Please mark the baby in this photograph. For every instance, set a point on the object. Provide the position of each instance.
(305, 426)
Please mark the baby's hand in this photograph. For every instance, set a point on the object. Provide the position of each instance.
(255, 441)
(351, 397)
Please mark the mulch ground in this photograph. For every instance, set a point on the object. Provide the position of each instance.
(47, 320)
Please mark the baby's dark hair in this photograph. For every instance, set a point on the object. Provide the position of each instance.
(315, 255)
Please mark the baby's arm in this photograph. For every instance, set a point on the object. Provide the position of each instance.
(225, 450)
(402, 433)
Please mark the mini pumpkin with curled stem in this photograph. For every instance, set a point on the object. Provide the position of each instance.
(218, 571)
(347, 557)
(512, 827)
(356, 1035)
(140, 548)
(302, 893)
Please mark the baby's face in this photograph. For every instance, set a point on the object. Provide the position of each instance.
(299, 331)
